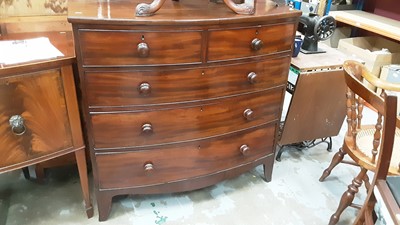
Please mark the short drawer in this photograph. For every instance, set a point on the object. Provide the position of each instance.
(145, 128)
(33, 117)
(249, 42)
(183, 161)
(163, 87)
(125, 47)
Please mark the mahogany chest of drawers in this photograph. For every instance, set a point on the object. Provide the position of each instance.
(182, 99)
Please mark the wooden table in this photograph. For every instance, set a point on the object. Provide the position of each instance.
(318, 104)
(39, 116)
(368, 21)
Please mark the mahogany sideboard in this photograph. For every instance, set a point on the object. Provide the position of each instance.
(182, 99)
(39, 116)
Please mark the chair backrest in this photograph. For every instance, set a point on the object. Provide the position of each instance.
(385, 105)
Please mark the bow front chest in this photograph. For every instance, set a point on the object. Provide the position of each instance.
(182, 99)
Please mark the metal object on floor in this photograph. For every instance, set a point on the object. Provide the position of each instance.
(304, 145)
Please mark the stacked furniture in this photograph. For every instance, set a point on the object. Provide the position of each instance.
(182, 99)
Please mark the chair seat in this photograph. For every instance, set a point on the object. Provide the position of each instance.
(394, 186)
(364, 143)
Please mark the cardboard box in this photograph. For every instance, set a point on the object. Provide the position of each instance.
(391, 73)
(307, 7)
(374, 51)
(342, 7)
(338, 34)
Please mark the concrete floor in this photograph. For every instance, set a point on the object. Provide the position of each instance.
(293, 197)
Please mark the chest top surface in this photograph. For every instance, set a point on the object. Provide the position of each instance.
(183, 12)
(63, 41)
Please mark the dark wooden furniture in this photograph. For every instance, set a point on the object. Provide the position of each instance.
(363, 142)
(182, 99)
(317, 107)
(39, 116)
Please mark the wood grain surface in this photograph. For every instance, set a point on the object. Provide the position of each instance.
(122, 88)
(39, 99)
(183, 105)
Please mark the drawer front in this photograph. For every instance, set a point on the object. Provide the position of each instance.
(193, 159)
(249, 42)
(143, 128)
(38, 99)
(139, 48)
(161, 87)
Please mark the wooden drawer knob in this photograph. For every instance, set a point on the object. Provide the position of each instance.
(17, 124)
(248, 114)
(256, 44)
(147, 128)
(148, 168)
(244, 149)
(143, 50)
(144, 88)
(252, 77)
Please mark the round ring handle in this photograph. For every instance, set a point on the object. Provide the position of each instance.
(252, 77)
(144, 88)
(17, 124)
(143, 50)
(244, 149)
(147, 128)
(148, 168)
(248, 114)
(257, 44)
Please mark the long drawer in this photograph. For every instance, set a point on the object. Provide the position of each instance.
(183, 161)
(239, 43)
(172, 86)
(143, 128)
(128, 47)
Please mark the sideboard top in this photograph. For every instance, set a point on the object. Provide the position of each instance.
(122, 12)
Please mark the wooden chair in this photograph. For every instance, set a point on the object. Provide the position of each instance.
(382, 202)
(383, 198)
(363, 142)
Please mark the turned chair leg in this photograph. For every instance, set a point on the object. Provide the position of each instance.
(337, 158)
(364, 216)
(367, 184)
(348, 196)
